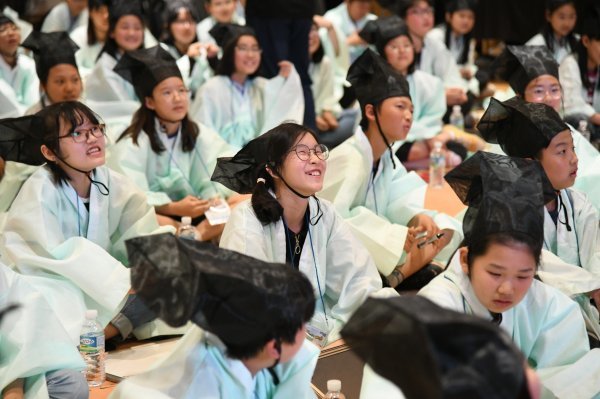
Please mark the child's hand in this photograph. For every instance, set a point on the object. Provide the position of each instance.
(285, 67)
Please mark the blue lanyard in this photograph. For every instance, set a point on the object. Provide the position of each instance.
(314, 261)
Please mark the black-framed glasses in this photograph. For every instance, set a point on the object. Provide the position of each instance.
(303, 151)
(83, 135)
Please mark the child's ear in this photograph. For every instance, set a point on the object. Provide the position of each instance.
(48, 153)
(271, 350)
(463, 256)
(370, 112)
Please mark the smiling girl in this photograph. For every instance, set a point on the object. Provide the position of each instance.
(558, 32)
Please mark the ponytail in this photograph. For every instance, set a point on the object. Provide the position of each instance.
(265, 206)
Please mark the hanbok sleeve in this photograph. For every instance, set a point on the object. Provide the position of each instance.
(570, 80)
(295, 376)
(430, 103)
(283, 101)
(587, 225)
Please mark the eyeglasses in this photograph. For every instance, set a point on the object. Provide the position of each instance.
(249, 50)
(420, 11)
(538, 93)
(83, 135)
(8, 28)
(169, 93)
(303, 151)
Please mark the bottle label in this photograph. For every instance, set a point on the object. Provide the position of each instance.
(91, 343)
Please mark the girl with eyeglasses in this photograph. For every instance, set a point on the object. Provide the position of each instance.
(237, 103)
(533, 74)
(164, 151)
(374, 193)
(72, 216)
(285, 222)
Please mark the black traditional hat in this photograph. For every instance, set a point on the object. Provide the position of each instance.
(464, 356)
(374, 80)
(380, 31)
(145, 68)
(521, 128)
(226, 33)
(5, 19)
(519, 65)
(120, 8)
(457, 5)
(20, 140)
(50, 49)
(504, 195)
(239, 298)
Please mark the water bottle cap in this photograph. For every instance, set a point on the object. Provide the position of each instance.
(334, 385)
(91, 314)
(186, 220)
(456, 109)
(583, 125)
(437, 145)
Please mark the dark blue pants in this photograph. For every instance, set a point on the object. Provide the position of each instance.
(286, 39)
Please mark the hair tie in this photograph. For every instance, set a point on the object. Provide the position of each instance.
(260, 180)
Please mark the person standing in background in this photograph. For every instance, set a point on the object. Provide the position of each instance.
(282, 28)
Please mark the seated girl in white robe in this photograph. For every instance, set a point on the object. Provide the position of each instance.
(91, 37)
(252, 317)
(236, 103)
(19, 84)
(66, 16)
(54, 55)
(163, 151)
(71, 217)
(125, 33)
(219, 12)
(492, 276)
(373, 192)
(285, 222)
(571, 225)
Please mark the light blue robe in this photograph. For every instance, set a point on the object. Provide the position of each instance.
(378, 210)
(193, 76)
(50, 233)
(22, 87)
(104, 84)
(240, 117)
(59, 19)
(429, 102)
(173, 174)
(340, 269)
(198, 367)
(341, 19)
(437, 60)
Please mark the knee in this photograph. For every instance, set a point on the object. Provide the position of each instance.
(67, 384)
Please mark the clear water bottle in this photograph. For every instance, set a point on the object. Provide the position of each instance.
(583, 129)
(334, 390)
(456, 118)
(91, 347)
(186, 230)
(437, 166)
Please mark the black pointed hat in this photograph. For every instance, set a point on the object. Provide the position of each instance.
(50, 49)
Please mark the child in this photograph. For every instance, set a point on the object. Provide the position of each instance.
(75, 211)
(285, 222)
(167, 154)
(237, 103)
(252, 317)
(370, 188)
(558, 32)
(571, 231)
(54, 55)
(66, 16)
(125, 33)
(91, 37)
(492, 276)
(220, 12)
(19, 84)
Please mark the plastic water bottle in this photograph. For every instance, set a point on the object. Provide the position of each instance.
(437, 166)
(186, 230)
(334, 390)
(456, 118)
(91, 347)
(583, 129)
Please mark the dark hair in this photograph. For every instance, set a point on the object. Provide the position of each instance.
(380, 47)
(298, 311)
(91, 32)
(405, 5)
(72, 114)
(170, 17)
(266, 207)
(548, 33)
(110, 46)
(226, 66)
(464, 55)
(478, 246)
(582, 59)
(144, 119)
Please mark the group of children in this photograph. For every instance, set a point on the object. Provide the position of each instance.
(97, 174)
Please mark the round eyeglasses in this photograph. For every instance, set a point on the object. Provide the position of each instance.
(303, 151)
(539, 93)
(83, 135)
